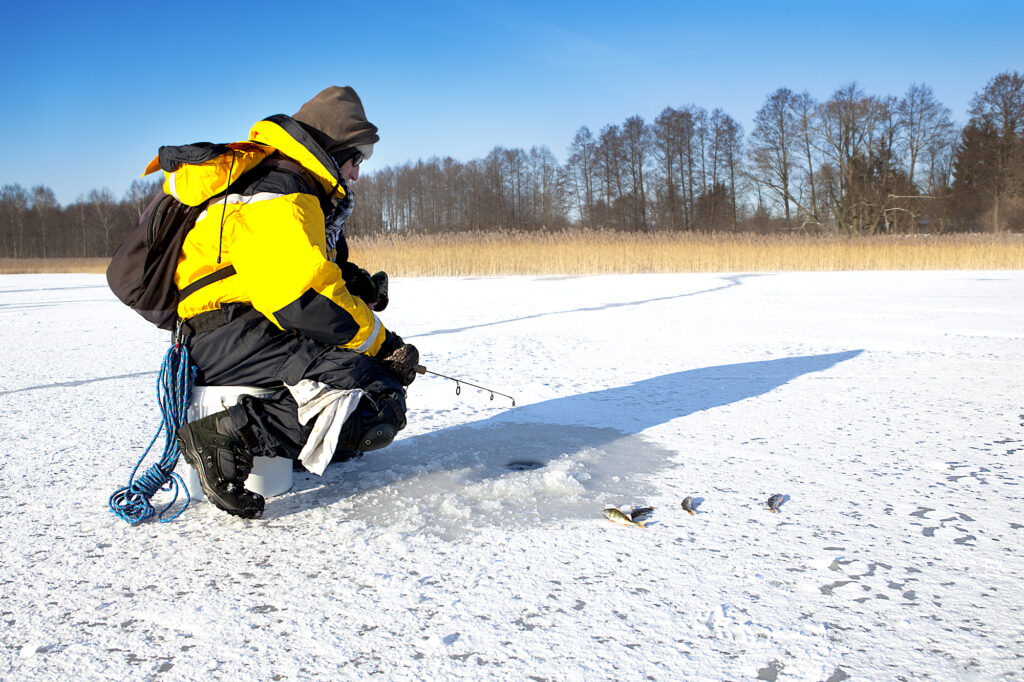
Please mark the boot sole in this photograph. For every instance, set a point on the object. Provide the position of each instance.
(185, 439)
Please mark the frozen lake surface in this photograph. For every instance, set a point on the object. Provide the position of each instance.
(885, 407)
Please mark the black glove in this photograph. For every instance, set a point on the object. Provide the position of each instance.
(359, 283)
(402, 363)
(391, 343)
(380, 280)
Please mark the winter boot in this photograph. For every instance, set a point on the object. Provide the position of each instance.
(218, 453)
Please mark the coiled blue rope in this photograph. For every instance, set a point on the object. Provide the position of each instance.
(174, 392)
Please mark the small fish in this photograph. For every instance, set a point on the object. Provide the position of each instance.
(687, 505)
(639, 513)
(774, 502)
(614, 514)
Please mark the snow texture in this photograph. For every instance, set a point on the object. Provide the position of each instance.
(884, 407)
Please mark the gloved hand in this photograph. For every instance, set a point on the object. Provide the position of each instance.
(391, 343)
(380, 280)
(359, 283)
(402, 362)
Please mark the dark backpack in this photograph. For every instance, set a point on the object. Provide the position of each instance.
(141, 271)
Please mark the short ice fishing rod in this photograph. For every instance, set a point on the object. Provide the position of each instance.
(420, 369)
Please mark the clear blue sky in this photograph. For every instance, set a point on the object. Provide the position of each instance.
(91, 90)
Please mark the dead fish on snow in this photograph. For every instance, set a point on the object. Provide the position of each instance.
(615, 514)
(687, 505)
(774, 502)
(640, 513)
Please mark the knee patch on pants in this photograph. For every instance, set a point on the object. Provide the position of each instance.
(376, 437)
(374, 424)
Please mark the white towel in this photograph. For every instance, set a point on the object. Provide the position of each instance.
(331, 407)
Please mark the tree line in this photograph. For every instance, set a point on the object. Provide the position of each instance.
(853, 164)
(34, 225)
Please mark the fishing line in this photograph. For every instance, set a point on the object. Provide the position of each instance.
(420, 369)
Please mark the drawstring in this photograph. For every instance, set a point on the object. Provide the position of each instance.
(220, 238)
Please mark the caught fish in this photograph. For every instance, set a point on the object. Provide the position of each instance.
(774, 502)
(687, 505)
(640, 513)
(614, 514)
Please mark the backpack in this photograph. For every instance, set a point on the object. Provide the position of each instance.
(141, 271)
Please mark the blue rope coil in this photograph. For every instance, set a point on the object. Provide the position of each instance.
(174, 393)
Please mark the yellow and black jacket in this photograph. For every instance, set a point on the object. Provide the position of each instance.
(262, 240)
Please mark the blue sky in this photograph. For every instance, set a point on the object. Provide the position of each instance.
(91, 90)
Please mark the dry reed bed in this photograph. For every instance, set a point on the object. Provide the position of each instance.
(23, 266)
(593, 252)
(597, 252)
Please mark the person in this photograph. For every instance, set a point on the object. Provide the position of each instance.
(268, 298)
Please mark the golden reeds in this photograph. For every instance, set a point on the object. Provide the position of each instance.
(599, 252)
(21, 266)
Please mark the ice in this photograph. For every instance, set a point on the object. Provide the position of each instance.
(884, 406)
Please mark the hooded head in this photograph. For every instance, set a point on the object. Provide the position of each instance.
(337, 113)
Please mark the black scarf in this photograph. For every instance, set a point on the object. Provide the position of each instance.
(334, 223)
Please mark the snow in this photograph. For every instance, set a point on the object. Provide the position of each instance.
(884, 406)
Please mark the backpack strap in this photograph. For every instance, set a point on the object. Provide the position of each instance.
(215, 276)
(280, 163)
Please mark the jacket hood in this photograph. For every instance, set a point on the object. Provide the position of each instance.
(295, 141)
(196, 172)
(337, 113)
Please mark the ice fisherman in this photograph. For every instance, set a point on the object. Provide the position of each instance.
(270, 299)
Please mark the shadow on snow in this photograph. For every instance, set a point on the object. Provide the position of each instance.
(578, 451)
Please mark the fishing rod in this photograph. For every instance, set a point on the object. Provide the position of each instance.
(420, 369)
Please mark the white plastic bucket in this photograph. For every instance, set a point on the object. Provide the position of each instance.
(270, 475)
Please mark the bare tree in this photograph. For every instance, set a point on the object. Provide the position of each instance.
(610, 156)
(549, 183)
(925, 124)
(999, 110)
(45, 219)
(771, 146)
(731, 139)
(103, 212)
(721, 126)
(687, 122)
(582, 172)
(139, 194)
(495, 169)
(637, 140)
(804, 111)
(14, 203)
(665, 137)
(848, 124)
(700, 130)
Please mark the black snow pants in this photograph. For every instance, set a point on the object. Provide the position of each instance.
(237, 345)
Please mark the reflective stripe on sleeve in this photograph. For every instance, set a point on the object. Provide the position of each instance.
(241, 199)
(171, 185)
(373, 335)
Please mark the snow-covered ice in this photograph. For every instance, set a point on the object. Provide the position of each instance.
(886, 407)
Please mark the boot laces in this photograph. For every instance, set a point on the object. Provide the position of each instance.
(243, 463)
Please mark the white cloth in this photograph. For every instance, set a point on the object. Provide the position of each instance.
(331, 407)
